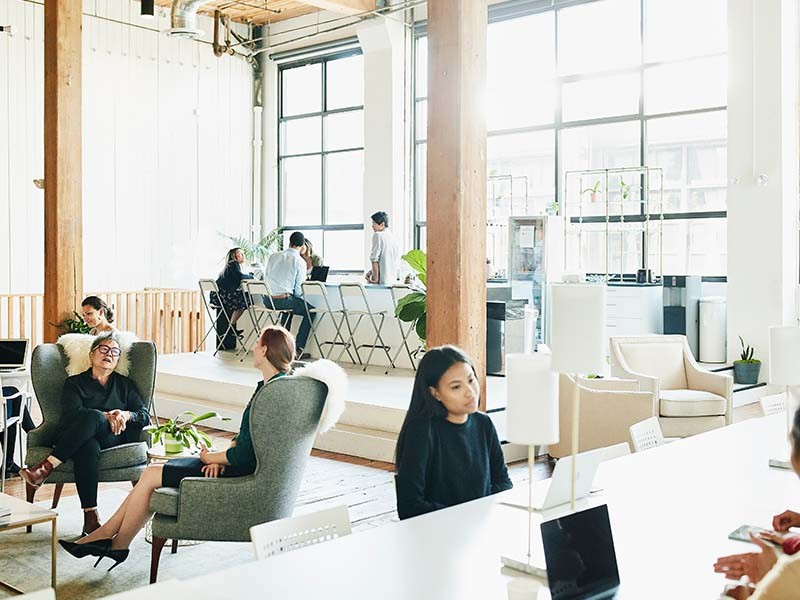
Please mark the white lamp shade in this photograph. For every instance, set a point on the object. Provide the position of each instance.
(784, 355)
(532, 409)
(578, 328)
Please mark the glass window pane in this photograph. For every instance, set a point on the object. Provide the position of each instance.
(302, 90)
(301, 190)
(692, 247)
(344, 187)
(520, 97)
(423, 237)
(420, 176)
(701, 27)
(601, 97)
(301, 136)
(422, 67)
(599, 36)
(422, 120)
(344, 250)
(344, 130)
(345, 82)
(686, 85)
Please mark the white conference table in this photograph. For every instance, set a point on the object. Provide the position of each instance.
(671, 510)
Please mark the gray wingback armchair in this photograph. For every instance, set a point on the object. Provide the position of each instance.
(283, 422)
(48, 374)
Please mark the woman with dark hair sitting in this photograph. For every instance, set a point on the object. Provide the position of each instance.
(97, 315)
(447, 452)
(101, 409)
(229, 283)
(272, 355)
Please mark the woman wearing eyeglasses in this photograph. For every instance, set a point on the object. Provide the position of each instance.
(101, 409)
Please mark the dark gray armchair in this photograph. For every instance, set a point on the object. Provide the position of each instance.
(283, 422)
(48, 374)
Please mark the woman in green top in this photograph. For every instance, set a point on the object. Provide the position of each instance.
(272, 355)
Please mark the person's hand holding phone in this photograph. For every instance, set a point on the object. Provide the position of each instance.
(786, 520)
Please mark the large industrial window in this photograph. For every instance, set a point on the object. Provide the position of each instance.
(321, 156)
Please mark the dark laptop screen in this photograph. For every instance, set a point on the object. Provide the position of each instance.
(12, 352)
(579, 551)
(319, 274)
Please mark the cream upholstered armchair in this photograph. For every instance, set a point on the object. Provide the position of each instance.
(689, 399)
(608, 408)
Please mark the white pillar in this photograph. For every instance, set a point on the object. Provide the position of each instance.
(382, 42)
(762, 171)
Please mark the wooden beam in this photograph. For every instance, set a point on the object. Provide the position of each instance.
(63, 214)
(347, 7)
(456, 179)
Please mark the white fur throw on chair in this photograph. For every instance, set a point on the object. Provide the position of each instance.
(333, 376)
(77, 346)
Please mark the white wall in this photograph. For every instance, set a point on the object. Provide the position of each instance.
(167, 150)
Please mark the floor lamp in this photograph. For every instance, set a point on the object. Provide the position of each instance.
(578, 340)
(784, 350)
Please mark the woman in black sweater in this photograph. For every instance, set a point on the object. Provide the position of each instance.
(447, 452)
(229, 283)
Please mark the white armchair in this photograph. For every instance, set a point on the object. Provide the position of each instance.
(608, 408)
(688, 399)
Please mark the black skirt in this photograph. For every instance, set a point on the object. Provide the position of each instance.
(179, 468)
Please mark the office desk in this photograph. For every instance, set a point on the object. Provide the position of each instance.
(671, 510)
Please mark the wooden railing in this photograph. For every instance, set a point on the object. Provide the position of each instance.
(173, 319)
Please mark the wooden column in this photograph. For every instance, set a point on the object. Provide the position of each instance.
(63, 215)
(456, 202)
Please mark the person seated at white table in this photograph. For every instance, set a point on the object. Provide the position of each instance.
(776, 579)
(447, 452)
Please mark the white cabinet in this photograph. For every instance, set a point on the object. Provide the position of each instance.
(633, 309)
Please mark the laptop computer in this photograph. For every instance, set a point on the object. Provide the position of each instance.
(556, 490)
(319, 274)
(580, 556)
(12, 354)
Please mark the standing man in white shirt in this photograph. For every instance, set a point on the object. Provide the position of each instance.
(385, 254)
(285, 273)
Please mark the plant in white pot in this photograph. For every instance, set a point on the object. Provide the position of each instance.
(746, 369)
(178, 435)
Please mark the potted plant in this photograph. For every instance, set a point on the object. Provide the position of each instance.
(74, 324)
(626, 189)
(746, 369)
(593, 191)
(257, 252)
(178, 435)
(413, 308)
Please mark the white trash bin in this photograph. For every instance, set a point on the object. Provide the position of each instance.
(713, 330)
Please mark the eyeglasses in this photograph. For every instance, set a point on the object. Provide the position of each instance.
(104, 349)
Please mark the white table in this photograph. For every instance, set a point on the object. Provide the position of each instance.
(671, 509)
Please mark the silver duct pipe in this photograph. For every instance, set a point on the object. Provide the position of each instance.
(184, 19)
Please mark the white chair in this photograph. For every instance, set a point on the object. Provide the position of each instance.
(355, 304)
(261, 310)
(773, 404)
(323, 308)
(209, 292)
(687, 398)
(6, 422)
(398, 292)
(646, 435)
(617, 450)
(285, 535)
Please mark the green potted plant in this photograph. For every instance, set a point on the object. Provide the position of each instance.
(257, 252)
(413, 308)
(626, 189)
(593, 191)
(178, 435)
(74, 324)
(746, 369)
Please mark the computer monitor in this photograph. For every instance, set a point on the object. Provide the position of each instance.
(319, 274)
(580, 556)
(12, 353)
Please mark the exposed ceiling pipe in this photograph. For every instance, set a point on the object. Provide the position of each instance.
(184, 19)
(226, 48)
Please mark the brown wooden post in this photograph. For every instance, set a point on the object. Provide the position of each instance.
(63, 215)
(456, 202)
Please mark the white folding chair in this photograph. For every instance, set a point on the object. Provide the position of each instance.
(6, 422)
(354, 295)
(285, 535)
(398, 292)
(261, 310)
(646, 434)
(208, 292)
(773, 404)
(322, 308)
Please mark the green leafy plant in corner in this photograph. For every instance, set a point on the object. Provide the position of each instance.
(74, 324)
(258, 251)
(185, 433)
(747, 353)
(413, 308)
(593, 191)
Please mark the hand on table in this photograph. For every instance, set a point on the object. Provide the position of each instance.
(118, 420)
(213, 470)
(786, 520)
(753, 564)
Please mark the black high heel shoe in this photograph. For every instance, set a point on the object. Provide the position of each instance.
(118, 556)
(98, 548)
